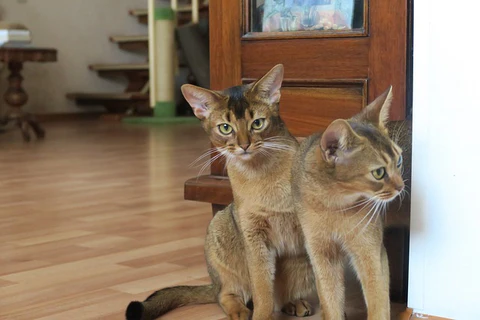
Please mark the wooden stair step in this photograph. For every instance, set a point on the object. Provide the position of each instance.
(139, 42)
(114, 102)
(140, 14)
(123, 96)
(184, 14)
(135, 72)
(123, 39)
(119, 67)
(188, 8)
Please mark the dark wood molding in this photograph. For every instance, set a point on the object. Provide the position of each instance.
(388, 47)
(320, 83)
(252, 36)
(225, 64)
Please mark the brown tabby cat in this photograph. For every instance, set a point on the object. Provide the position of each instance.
(254, 247)
(341, 181)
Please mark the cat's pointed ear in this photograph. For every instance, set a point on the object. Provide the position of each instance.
(269, 85)
(338, 140)
(201, 100)
(377, 112)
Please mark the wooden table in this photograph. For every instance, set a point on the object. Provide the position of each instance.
(15, 96)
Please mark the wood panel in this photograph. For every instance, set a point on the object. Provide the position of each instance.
(307, 110)
(307, 58)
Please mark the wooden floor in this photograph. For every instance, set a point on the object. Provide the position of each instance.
(94, 217)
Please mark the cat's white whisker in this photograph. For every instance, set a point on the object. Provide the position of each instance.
(382, 211)
(279, 138)
(277, 144)
(401, 196)
(228, 157)
(374, 213)
(278, 147)
(208, 163)
(208, 160)
(406, 190)
(375, 201)
(357, 204)
(265, 153)
(207, 153)
(371, 200)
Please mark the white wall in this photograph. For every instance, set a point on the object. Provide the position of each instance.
(79, 29)
(445, 230)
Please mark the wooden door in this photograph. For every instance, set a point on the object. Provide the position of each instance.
(329, 74)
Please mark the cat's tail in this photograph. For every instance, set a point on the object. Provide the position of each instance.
(165, 300)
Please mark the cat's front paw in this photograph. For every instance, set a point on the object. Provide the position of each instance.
(262, 318)
(241, 315)
(299, 308)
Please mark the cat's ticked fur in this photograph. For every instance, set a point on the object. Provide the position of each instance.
(254, 248)
(341, 181)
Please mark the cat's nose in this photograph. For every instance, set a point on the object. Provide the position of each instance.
(399, 187)
(245, 146)
(397, 182)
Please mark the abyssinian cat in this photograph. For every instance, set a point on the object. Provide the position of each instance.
(254, 248)
(341, 181)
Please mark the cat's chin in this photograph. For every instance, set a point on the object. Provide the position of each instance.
(245, 156)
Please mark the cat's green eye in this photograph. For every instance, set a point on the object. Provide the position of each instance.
(400, 161)
(379, 173)
(258, 124)
(225, 128)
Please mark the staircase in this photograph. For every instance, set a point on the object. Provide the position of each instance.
(135, 98)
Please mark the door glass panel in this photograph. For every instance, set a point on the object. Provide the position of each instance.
(305, 15)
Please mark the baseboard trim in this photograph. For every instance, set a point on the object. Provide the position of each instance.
(406, 315)
(69, 116)
(159, 120)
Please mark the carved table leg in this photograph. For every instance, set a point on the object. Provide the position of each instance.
(16, 97)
